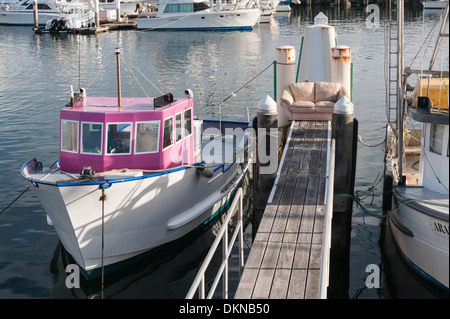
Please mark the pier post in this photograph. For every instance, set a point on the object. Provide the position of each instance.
(266, 161)
(97, 17)
(118, 11)
(285, 75)
(344, 131)
(35, 15)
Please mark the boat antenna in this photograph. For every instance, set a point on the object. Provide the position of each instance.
(119, 93)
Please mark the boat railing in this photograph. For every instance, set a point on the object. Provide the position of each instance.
(227, 246)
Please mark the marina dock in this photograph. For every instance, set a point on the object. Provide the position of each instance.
(290, 252)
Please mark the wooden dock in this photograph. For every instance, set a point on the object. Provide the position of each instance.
(290, 253)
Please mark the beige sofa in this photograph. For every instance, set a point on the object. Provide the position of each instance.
(311, 100)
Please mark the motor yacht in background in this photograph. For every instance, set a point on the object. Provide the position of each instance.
(201, 15)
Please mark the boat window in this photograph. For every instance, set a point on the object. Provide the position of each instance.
(69, 136)
(91, 138)
(147, 137)
(168, 132)
(187, 7)
(41, 6)
(173, 8)
(436, 138)
(178, 132)
(200, 6)
(187, 122)
(118, 139)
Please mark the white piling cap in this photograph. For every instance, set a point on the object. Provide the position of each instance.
(343, 106)
(267, 104)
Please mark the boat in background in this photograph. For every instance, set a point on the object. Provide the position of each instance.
(22, 12)
(436, 4)
(73, 16)
(136, 174)
(268, 8)
(284, 6)
(193, 15)
(416, 183)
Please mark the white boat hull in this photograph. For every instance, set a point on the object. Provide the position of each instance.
(421, 232)
(211, 20)
(26, 18)
(434, 4)
(139, 214)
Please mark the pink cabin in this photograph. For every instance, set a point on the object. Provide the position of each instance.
(137, 135)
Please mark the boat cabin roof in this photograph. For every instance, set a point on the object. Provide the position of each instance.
(143, 133)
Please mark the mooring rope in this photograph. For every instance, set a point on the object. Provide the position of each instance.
(16, 199)
(102, 199)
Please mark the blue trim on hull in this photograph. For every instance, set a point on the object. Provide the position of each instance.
(417, 269)
(246, 28)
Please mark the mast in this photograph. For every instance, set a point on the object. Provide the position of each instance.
(400, 85)
(119, 92)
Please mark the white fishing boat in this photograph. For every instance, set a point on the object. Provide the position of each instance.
(416, 189)
(136, 174)
(437, 4)
(268, 10)
(72, 17)
(201, 15)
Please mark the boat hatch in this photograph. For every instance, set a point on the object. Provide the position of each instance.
(144, 133)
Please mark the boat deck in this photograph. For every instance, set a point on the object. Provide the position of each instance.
(286, 259)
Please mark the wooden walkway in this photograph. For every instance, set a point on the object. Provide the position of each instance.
(288, 251)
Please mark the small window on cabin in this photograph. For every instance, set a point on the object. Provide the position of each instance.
(178, 127)
(187, 122)
(147, 137)
(168, 132)
(91, 137)
(119, 138)
(69, 136)
(436, 138)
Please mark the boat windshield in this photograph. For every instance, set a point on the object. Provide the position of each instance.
(186, 7)
(199, 6)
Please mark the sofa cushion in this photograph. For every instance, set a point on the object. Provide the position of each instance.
(324, 104)
(303, 91)
(326, 91)
(302, 105)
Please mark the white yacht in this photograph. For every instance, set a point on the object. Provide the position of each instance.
(201, 15)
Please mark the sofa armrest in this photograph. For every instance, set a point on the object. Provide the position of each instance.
(287, 98)
(343, 92)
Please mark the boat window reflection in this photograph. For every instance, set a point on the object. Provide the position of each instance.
(436, 138)
(147, 137)
(119, 137)
(168, 132)
(69, 136)
(91, 137)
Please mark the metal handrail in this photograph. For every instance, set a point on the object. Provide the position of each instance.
(222, 236)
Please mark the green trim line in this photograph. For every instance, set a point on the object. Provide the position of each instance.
(275, 80)
(299, 59)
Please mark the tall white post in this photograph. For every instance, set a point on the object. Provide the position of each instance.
(341, 67)
(97, 17)
(118, 10)
(285, 75)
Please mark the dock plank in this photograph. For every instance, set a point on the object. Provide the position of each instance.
(286, 256)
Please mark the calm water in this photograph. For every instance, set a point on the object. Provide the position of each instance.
(35, 77)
